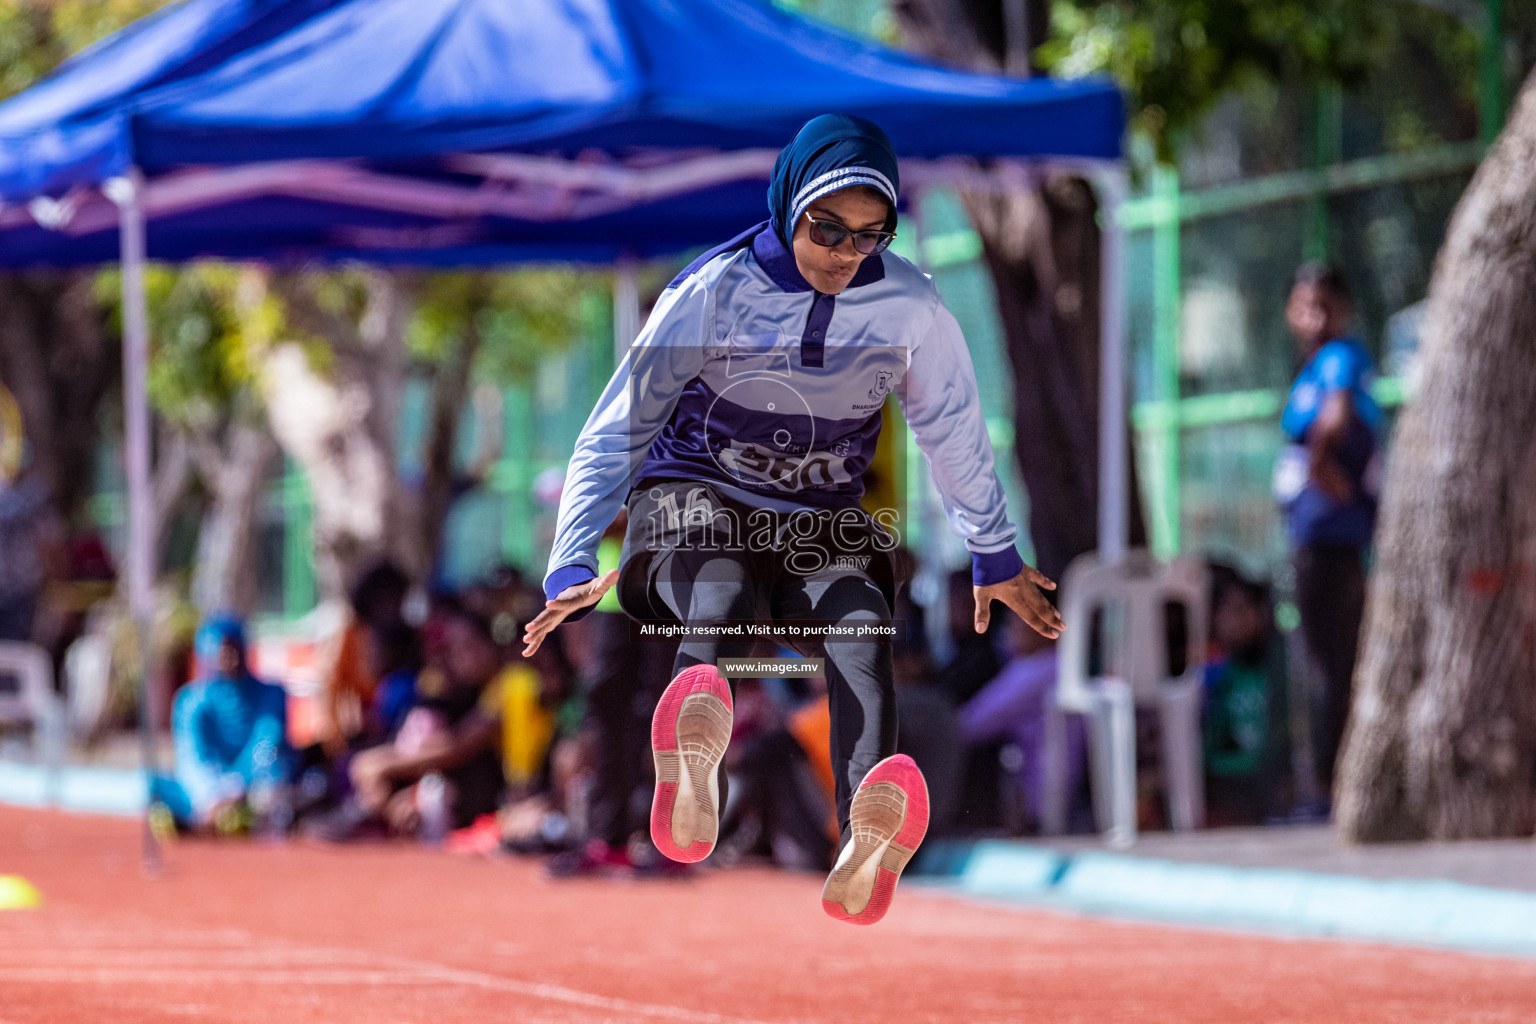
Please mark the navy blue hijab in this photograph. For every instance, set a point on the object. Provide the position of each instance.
(831, 152)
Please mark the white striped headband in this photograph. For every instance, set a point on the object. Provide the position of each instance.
(840, 178)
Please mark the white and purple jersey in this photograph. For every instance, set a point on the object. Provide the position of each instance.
(747, 378)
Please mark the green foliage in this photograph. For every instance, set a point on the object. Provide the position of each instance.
(1177, 58)
(1414, 62)
(1429, 78)
(521, 317)
(37, 35)
(209, 325)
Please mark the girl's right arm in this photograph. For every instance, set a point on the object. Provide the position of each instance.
(634, 407)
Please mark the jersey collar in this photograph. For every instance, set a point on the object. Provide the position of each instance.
(779, 263)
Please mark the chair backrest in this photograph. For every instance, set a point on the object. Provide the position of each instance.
(88, 681)
(1137, 590)
(34, 699)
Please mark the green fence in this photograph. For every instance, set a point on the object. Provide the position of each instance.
(1213, 360)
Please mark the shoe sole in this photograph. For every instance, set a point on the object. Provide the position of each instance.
(888, 819)
(689, 734)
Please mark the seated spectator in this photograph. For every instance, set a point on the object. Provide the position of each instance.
(86, 580)
(926, 729)
(547, 821)
(530, 695)
(621, 681)
(232, 756)
(347, 687)
(1242, 725)
(810, 723)
(548, 760)
(776, 804)
(30, 541)
(443, 768)
(974, 662)
(1012, 708)
(507, 600)
(394, 659)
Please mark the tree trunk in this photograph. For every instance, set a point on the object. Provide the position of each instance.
(59, 360)
(169, 483)
(322, 424)
(224, 577)
(340, 427)
(1041, 244)
(439, 484)
(1442, 743)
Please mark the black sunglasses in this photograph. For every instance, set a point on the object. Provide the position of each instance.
(830, 233)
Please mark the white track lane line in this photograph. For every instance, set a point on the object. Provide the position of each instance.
(575, 997)
(207, 959)
(298, 965)
(218, 976)
(14, 938)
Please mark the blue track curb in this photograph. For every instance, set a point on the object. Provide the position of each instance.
(80, 789)
(1413, 911)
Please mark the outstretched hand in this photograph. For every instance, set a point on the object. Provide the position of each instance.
(570, 599)
(1022, 594)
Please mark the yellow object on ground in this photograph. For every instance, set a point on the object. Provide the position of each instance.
(16, 893)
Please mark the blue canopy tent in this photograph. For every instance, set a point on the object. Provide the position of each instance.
(488, 131)
(402, 129)
(67, 129)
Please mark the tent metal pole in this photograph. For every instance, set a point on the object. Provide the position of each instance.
(1016, 32)
(626, 307)
(127, 192)
(1113, 503)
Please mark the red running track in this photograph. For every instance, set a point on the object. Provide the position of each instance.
(295, 934)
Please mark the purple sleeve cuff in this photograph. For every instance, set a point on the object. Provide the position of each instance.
(568, 576)
(995, 566)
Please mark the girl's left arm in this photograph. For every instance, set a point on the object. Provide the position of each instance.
(943, 406)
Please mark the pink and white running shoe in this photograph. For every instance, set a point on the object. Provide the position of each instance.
(888, 818)
(689, 734)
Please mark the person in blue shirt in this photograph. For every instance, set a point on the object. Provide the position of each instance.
(1327, 480)
(230, 732)
(738, 430)
(394, 659)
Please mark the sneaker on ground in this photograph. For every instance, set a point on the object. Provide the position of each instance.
(888, 819)
(344, 823)
(483, 835)
(593, 859)
(650, 864)
(689, 734)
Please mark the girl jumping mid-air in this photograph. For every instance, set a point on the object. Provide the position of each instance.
(737, 431)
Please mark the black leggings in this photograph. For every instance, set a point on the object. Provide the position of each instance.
(700, 579)
(1330, 594)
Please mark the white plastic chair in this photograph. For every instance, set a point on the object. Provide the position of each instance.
(1133, 594)
(33, 702)
(87, 682)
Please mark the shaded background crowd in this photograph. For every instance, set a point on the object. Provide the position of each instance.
(430, 725)
(426, 722)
